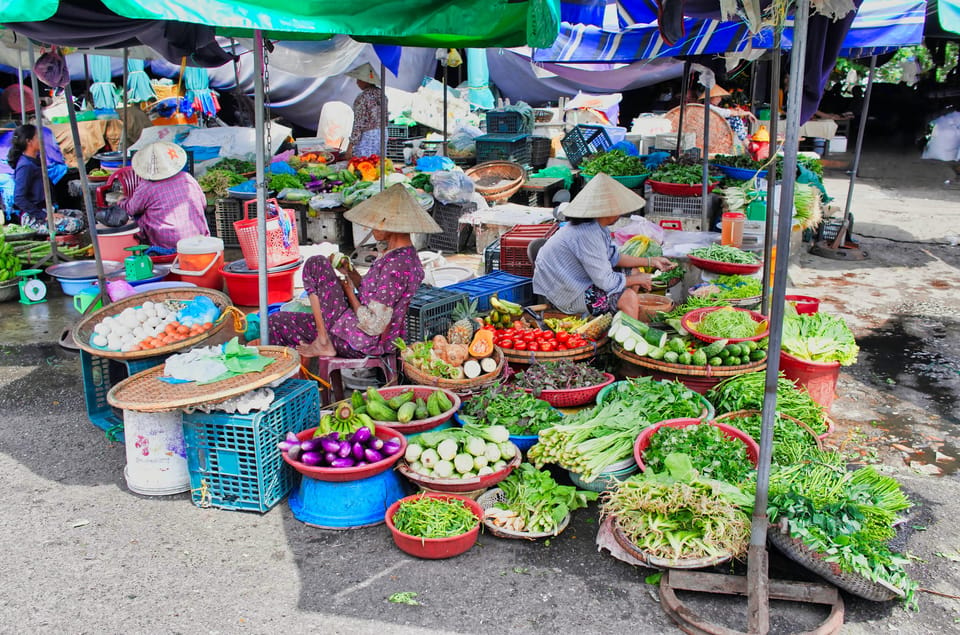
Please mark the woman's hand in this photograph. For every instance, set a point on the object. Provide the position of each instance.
(661, 263)
(640, 281)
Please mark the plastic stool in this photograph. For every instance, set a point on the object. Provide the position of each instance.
(328, 369)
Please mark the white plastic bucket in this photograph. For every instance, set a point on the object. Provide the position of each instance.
(445, 276)
(156, 453)
(430, 259)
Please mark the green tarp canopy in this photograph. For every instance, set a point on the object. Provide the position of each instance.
(428, 23)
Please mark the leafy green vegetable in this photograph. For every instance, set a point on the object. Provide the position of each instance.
(790, 440)
(614, 163)
(819, 337)
(745, 392)
(711, 452)
(519, 411)
(559, 375)
(728, 323)
(236, 165)
(280, 182)
(216, 181)
(682, 172)
(404, 597)
(538, 500)
(691, 303)
(426, 517)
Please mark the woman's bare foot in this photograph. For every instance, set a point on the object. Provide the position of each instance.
(316, 348)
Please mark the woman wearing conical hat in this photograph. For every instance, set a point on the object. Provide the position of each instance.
(576, 270)
(368, 113)
(354, 316)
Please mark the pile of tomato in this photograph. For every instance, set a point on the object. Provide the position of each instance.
(538, 340)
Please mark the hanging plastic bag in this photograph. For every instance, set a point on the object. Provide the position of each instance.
(51, 69)
(452, 187)
(639, 226)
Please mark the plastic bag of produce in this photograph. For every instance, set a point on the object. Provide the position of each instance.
(639, 226)
(296, 195)
(452, 187)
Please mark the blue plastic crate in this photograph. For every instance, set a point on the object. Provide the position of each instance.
(100, 374)
(233, 459)
(429, 313)
(506, 285)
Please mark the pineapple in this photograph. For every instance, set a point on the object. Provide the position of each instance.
(465, 323)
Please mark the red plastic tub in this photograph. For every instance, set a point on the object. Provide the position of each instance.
(803, 303)
(243, 290)
(643, 441)
(435, 548)
(819, 379)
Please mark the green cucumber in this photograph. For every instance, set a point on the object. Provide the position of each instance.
(677, 345)
(685, 358)
(656, 337)
(655, 352)
(758, 355)
(699, 358)
(671, 357)
(713, 349)
(715, 361)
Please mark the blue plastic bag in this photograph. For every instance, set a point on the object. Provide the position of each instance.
(627, 148)
(434, 163)
(200, 310)
(654, 159)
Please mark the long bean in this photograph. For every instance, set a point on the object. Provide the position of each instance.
(428, 517)
(725, 253)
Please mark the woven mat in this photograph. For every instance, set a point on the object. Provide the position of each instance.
(145, 392)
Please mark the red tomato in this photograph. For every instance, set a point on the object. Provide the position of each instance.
(506, 343)
(562, 347)
(520, 345)
(546, 347)
(529, 337)
(563, 336)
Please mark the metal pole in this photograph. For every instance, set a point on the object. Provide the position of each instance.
(87, 195)
(123, 134)
(23, 105)
(758, 616)
(44, 169)
(771, 172)
(383, 126)
(443, 148)
(86, 79)
(705, 201)
(684, 86)
(861, 129)
(261, 184)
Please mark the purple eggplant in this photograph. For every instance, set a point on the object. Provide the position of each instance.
(285, 445)
(375, 443)
(329, 445)
(342, 462)
(335, 436)
(294, 452)
(360, 464)
(292, 438)
(345, 449)
(310, 445)
(357, 450)
(372, 456)
(330, 457)
(311, 458)
(362, 434)
(390, 448)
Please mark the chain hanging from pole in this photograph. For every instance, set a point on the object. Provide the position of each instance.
(268, 140)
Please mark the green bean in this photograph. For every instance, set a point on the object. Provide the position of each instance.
(725, 253)
(427, 517)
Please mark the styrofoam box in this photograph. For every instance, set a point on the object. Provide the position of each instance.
(669, 140)
(838, 145)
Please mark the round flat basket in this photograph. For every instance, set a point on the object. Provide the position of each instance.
(742, 174)
(570, 397)
(420, 392)
(491, 498)
(146, 392)
(691, 321)
(663, 563)
(855, 583)
(417, 376)
(84, 330)
(684, 369)
(573, 354)
(724, 267)
(497, 180)
(745, 303)
(460, 485)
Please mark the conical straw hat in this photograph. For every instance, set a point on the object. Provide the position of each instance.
(365, 73)
(158, 161)
(603, 196)
(393, 210)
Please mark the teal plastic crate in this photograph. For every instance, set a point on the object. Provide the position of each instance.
(100, 374)
(429, 313)
(506, 285)
(233, 459)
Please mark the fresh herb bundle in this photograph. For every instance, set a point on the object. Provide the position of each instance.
(614, 163)
(427, 517)
(539, 502)
(713, 454)
(558, 375)
(789, 438)
(745, 392)
(519, 411)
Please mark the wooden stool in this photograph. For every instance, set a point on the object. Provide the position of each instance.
(329, 370)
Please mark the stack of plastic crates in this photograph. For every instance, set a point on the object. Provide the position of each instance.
(226, 212)
(429, 312)
(234, 460)
(100, 374)
(448, 217)
(398, 137)
(583, 141)
(514, 243)
(506, 122)
(677, 212)
(503, 147)
(539, 151)
(506, 285)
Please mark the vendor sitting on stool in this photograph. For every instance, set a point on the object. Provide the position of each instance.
(575, 267)
(354, 316)
(169, 204)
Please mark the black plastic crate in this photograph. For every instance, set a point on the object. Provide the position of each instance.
(503, 147)
(491, 257)
(448, 217)
(506, 122)
(539, 151)
(583, 141)
(404, 132)
(429, 312)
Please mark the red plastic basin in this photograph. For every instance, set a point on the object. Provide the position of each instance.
(435, 548)
(818, 378)
(803, 303)
(243, 290)
(338, 474)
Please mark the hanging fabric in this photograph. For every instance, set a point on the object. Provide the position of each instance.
(139, 88)
(197, 82)
(103, 92)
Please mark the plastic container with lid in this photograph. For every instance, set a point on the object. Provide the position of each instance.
(731, 228)
(199, 259)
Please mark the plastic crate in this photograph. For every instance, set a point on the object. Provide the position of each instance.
(539, 151)
(226, 212)
(503, 147)
(448, 217)
(506, 122)
(429, 312)
(395, 147)
(395, 131)
(583, 141)
(233, 459)
(491, 257)
(100, 374)
(506, 285)
(666, 210)
(514, 243)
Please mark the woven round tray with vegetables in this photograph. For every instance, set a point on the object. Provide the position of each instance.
(460, 459)
(684, 369)
(490, 499)
(664, 563)
(563, 383)
(693, 321)
(406, 409)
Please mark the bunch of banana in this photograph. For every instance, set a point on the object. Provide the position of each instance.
(345, 419)
(9, 261)
(502, 312)
(569, 323)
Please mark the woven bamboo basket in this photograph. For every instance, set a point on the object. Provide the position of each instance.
(497, 181)
(663, 563)
(741, 414)
(417, 376)
(145, 392)
(573, 354)
(491, 498)
(855, 583)
(84, 330)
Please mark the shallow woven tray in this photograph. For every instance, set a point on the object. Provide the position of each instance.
(742, 414)
(575, 354)
(490, 498)
(812, 560)
(662, 563)
(417, 376)
(84, 329)
(500, 170)
(145, 392)
(745, 303)
(684, 369)
(460, 485)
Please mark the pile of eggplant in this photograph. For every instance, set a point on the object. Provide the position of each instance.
(337, 450)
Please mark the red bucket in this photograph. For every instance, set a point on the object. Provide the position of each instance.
(243, 288)
(803, 303)
(819, 379)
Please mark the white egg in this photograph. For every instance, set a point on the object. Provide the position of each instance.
(139, 333)
(102, 329)
(120, 331)
(114, 343)
(142, 315)
(149, 306)
(162, 310)
(100, 340)
(127, 313)
(152, 322)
